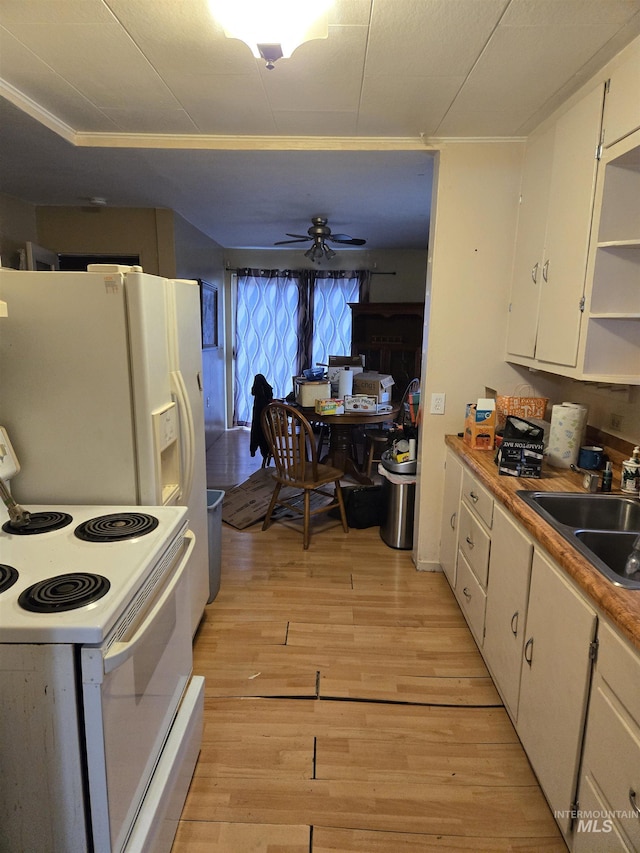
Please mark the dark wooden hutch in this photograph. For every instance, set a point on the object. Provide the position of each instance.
(389, 335)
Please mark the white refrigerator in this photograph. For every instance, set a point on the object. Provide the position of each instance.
(101, 393)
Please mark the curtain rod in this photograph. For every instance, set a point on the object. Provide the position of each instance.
(376, 272)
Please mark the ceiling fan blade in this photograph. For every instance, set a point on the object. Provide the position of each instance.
(302, 236)
(346, 240)
(299, 240)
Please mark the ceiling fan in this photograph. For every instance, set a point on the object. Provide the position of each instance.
(320, 233)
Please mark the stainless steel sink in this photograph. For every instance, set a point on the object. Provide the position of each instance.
(612, 549)
(603, 528)
(592, 511)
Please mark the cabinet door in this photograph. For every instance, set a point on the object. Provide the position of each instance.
(577, 136)
(450, 517)
(506, 612)
(555, 682)
(622, 103)
(529, 257)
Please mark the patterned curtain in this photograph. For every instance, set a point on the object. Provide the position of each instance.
(287, 321)
(332, 292)
(266, 334)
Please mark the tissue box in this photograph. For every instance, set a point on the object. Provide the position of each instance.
(519, 457)
(480, 424)
(376, 385)
(307, 392)
(360, 403)
(329, 407)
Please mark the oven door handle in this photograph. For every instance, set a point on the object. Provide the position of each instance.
(120, 652)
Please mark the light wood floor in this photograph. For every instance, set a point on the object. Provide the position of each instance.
(348, 708)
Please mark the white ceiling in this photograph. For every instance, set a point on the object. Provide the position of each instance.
(146, 103)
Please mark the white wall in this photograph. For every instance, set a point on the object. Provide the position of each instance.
(469, 281)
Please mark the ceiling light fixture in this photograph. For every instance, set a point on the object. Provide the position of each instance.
(319, 250)
(273, 29)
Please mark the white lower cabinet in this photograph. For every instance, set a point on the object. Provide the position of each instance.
(554, 685)
(579, 725)
(450, 516)
(506, 611)
(611, 761)
(471, 597)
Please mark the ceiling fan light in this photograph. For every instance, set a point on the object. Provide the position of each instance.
(276, 24)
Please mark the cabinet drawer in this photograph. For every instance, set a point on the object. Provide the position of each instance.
(619, 665)
(475, 544)
(612, 758)
(472, 598)
(478, 498)
(594, 833)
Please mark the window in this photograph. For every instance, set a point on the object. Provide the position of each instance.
(287, 321)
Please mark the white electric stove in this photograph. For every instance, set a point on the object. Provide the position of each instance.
(100, 716)
(68, 575)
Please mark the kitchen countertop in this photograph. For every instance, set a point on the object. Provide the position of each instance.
(621, 606)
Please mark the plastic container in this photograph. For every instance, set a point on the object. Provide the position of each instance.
(214, 524)
(630, 484)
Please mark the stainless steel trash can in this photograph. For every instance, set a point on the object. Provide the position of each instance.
(214, 525)
(400, 498)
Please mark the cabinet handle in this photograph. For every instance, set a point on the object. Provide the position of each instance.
(514, 619)
(632, 800)
(469, 542)
(534, 273)
(452, 520)
(545, 271)
(474, 497)
(467, 593)
(529, 645)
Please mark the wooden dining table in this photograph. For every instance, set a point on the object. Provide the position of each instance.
(340, 453)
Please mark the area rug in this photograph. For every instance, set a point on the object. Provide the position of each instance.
(247, 503)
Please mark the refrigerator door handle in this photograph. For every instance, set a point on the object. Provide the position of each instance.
(187, 432)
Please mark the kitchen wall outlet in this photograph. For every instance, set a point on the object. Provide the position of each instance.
(615, 421)
(437, 404)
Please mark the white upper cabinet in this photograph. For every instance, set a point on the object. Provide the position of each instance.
(622, 107)
(573, 180)
(553, 238)
(529, 257)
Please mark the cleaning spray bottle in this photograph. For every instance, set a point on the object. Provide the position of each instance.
(630, 481)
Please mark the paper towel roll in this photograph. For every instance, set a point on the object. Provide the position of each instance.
(568, 424)
(345, 383)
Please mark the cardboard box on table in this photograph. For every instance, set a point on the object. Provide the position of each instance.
(376, 385)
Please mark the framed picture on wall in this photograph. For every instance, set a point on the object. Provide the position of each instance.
(209, 314)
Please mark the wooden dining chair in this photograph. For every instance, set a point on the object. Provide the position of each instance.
(377, 440)
(295, 454)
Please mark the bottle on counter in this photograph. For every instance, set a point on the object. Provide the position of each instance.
(630, 480)
(607, 477)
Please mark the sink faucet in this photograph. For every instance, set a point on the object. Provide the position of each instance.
(18, 516)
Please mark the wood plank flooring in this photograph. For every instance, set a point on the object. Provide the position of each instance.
(348, 709)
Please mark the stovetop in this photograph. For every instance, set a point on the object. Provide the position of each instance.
(44, 575)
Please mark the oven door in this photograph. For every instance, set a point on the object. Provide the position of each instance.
(131, 691)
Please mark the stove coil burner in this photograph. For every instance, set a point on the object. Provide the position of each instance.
(8, 576)
(63, 592)
(39, 522)
(116, 527)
